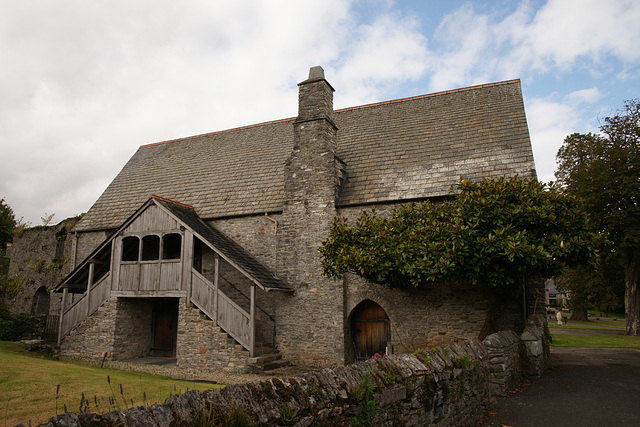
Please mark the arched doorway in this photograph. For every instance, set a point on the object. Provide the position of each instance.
(370, 330)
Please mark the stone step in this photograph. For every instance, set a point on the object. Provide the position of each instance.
(265, 358)
(275, 365)
(268, 362)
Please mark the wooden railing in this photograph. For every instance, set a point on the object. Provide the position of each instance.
(227, 314)
(79, 311)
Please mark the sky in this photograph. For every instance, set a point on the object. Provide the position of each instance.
(84, 83)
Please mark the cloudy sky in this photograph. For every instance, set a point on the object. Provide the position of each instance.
(84, 83)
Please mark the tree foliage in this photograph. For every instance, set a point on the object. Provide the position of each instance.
(493, 232)
(7, 224)
(604, 170)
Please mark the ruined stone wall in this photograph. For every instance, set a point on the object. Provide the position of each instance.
(40, 258)
(203, 345)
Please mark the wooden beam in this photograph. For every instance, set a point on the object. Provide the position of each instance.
(216, 274)
(64, 301)
(89, 284)
(252, 322)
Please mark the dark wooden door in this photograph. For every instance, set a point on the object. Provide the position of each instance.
(165, 320)
(369, 329)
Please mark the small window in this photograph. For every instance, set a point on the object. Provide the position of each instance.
(150, 248)
(171, 245)
(130, 248)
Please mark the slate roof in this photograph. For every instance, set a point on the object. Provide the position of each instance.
(412, 148)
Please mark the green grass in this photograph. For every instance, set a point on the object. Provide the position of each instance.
(595, 341)
(600, 313)
(28, 385)
(591, 324)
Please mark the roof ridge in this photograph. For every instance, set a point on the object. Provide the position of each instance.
(164, 199)
(218, 132)
(429, 95)
(357, 107)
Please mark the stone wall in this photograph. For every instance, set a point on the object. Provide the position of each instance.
(536, 340)
(133, 333)
(439, 314)
(40, 258)
(94, 336)
(203, 345)
(505, 364)
(448, 387)
(310, 323)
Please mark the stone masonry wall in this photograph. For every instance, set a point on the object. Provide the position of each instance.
(94, 336)
(133, 335)
(311, 323)
(201, 344)
(419, 318)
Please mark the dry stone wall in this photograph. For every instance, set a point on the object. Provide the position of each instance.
(447, 386)
(505, 365)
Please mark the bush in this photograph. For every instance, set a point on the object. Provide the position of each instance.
(15, 327)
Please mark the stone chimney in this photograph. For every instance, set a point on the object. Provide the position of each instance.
(315, 97)
(310, 324)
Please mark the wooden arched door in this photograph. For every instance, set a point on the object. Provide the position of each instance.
(370, 330)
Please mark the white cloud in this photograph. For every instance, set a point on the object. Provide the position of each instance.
(476, 47)
(85, 83)
(552, 119)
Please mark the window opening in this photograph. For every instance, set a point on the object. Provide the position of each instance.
(130, 248)
(171, 245)
(150, 248)
(41, 301)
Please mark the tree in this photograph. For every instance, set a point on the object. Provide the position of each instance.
(604, 170)
(494, 232)
(7, 224)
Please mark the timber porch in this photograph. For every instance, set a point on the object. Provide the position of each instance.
(171, 285)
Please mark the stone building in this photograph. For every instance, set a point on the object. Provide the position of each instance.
(204, 249)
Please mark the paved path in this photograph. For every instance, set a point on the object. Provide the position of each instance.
(587, 387)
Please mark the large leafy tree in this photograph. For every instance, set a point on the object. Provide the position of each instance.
(494, 232)
(7, 224)
(604, 170)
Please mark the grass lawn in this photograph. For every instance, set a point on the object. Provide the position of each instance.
(594, 341)
(591, 324)
(28, 386)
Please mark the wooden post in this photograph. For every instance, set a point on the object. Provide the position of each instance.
(252, 322)
(216, 273)
(92, 267)
(64, 301)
